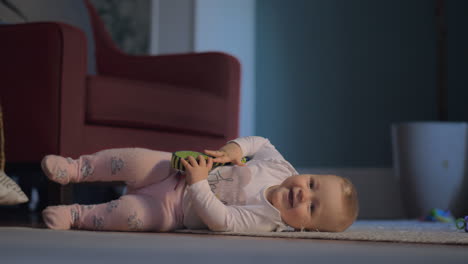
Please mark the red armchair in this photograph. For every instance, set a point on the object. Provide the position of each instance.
(52, 106)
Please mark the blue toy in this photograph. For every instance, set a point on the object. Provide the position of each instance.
(438, 215)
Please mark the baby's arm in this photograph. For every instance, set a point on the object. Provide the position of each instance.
(258, 148)
(210, 209)
(253, 146)
(222, 218)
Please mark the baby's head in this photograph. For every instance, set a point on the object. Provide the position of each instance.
(316, 202)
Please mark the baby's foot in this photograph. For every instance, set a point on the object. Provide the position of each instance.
(61, 217)
(59, 169)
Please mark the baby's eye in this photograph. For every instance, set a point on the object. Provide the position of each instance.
(311, 184)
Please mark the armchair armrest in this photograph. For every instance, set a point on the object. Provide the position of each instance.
(43, 69)
(212, 72)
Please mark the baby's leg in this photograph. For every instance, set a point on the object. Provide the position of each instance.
(157, 207)
(129, 213)
(124, 214)
(138, 167)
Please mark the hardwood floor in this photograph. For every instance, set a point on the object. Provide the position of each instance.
(33, 245)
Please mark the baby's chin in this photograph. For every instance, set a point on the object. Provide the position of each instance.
(275, 197)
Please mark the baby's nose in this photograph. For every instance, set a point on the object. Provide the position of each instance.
(305, 195)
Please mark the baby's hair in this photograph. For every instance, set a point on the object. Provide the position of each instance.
(350, 200)
(350, 204)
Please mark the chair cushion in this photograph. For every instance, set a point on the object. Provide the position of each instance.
(159, 106)
(10, 192)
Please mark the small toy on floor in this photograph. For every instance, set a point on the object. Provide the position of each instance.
(462, 223)
(438, 215)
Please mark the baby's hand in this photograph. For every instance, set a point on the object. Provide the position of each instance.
(231, 152)
(197, 171)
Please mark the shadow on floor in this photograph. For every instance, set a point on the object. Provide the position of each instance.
(14, 216)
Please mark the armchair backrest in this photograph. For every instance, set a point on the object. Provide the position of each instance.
(105, 48)
(71, 12)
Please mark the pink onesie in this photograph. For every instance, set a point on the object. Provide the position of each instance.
(153, 201)
(157, 198)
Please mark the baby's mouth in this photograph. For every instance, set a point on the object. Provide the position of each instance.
(291, 198)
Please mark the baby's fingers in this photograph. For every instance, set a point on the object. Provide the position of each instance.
(185, 163)
(214, 153)
(193, 161)
(209, 165)
(202, 161)
(219, 156)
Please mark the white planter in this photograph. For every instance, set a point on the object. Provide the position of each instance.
(429, 161)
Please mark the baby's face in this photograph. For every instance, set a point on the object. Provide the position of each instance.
(314, 202)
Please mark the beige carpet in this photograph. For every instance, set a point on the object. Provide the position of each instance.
(405, 231)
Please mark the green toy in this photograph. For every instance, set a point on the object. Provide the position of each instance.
(178, 155)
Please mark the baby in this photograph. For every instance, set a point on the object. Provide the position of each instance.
(265, 194)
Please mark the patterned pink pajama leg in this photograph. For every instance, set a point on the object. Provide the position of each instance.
(153, 202)
(138, 167)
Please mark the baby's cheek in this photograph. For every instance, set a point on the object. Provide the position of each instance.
(295, 218)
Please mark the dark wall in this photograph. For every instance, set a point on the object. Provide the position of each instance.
(457, 58)
(332, 75)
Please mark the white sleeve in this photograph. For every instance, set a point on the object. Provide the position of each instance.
(257, 148)
(219, 217)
